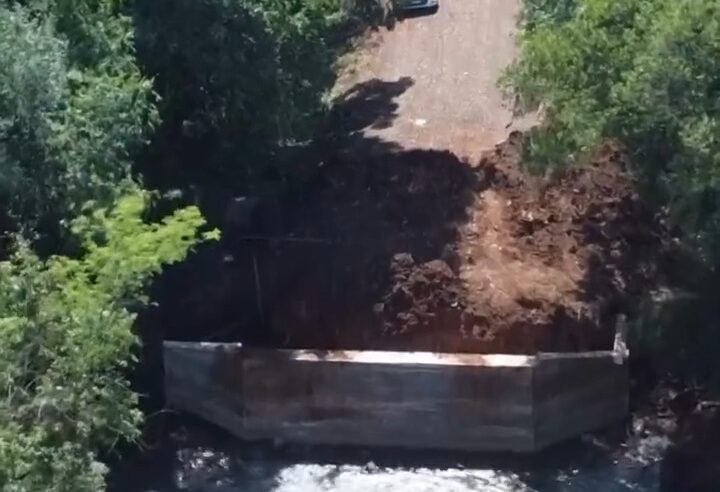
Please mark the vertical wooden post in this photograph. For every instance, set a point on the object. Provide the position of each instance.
(620, 350)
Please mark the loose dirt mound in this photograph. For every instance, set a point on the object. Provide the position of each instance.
(425, 252)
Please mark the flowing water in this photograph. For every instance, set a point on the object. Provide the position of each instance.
(194, 458)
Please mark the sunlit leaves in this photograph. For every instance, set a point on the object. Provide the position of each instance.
(66, 328)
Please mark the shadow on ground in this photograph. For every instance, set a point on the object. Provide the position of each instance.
(404, 15)
(305, 267)
(309, 256)
(369, 104)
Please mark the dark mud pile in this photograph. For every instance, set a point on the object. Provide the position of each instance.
(416, 250)
(385, 248)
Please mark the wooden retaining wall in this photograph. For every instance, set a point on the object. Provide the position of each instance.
(405, 399)
(576, 393)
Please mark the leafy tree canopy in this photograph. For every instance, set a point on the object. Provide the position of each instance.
(643, 72)
(66, 331)
(73, 108)
(243, 79)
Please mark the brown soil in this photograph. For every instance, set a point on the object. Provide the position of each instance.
(408, 230)
(425, 252)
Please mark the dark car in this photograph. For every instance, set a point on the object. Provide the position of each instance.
(403, 5)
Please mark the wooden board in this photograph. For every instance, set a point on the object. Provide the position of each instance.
(205, 379)
(577, 393)
(399, 399)
(428, 404)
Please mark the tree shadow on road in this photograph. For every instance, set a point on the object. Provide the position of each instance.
(312, 262)
(369, 104)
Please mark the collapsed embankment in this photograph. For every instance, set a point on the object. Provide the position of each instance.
(417, 250)
(429, 253)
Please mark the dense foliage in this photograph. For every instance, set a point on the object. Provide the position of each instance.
(73, 107)
(538, 12)
(242, 80)
(220, 88)
(77, 251)
(66, 330)
(644, 72)
(79, 85)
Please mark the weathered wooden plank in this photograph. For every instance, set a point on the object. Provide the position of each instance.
(418, 400)
(439, 419)
(345, 432)
(395, 358)
(495, 413)
(431, 404)
(595, 390)
(205, 379)
(578, 395)
(554, 377)
(345, 382)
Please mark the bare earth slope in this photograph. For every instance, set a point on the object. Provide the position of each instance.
(431, 237)
(414, 231)
(429, 253)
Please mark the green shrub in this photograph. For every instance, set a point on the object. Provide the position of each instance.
(243, 79)
(538, 12)
(645, 73)
(67, 340)
(243, 69)
(73, 109)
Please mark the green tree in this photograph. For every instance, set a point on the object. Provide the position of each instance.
(73, 108)
(642, 72)
(67, 341)
(241, 81)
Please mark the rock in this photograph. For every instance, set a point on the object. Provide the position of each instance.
(371, 467)
(683, 402)
(450, 256)
(404, 260)
(438, 268)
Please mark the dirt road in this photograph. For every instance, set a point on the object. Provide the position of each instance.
(449, 62)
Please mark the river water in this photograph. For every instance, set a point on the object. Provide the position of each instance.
(198, 458)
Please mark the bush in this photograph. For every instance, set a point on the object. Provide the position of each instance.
(33, 81)
(643, 72)
(73, 109)
(538, 12)
(243, 79)
(67, 340)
